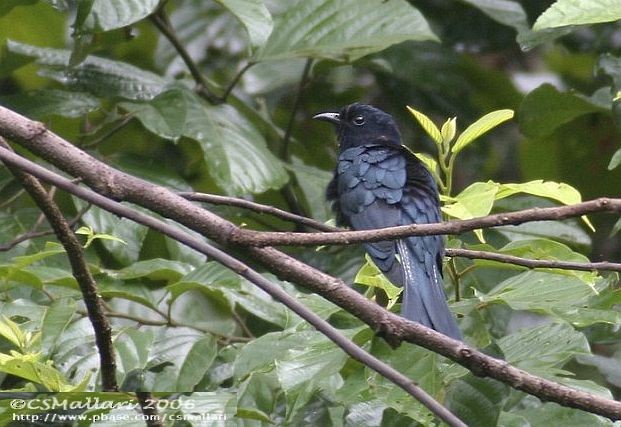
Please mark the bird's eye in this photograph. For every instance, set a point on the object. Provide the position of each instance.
(358, 120)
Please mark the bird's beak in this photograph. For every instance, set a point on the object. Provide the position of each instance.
(328, 117)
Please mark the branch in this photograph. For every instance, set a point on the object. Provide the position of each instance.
(394, 329)
(534, 263)
(161, 21)
(256, 207)
(75, 253)
(243, 270)
(450, 252)
(259, 238)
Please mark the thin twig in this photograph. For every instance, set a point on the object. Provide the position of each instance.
(34, 234)
(174, 324)
(257, 207)
(534, 263)
(286, 140)
(162, 22)
(227, 91)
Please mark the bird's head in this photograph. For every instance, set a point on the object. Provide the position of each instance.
(358, 124)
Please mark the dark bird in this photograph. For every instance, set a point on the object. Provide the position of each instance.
(378, 183)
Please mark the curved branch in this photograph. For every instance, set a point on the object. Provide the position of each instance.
(81, 272)
(243, 270)
(394, 329)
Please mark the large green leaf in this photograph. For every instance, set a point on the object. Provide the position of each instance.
(57, 317)
(45, 103)
(477, 401)
(102, 77)
(578, 12)
(343, 30)
(7, 5)
(234, 150)
(254, 16)
(481, 126)
(543, 347)
(105, 15)
(540, 291)
(545, 109)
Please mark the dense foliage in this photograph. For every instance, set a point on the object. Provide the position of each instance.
(236, 122)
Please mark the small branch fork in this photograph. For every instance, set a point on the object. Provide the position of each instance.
(114, 186)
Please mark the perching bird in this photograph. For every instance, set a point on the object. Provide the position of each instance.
(378, 183)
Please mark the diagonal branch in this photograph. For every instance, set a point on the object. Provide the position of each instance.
(81, 272)
(243, 270)
(394, 329)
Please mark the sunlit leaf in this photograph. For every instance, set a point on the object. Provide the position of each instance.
(481, 126)
(575, 12)
(427, 124)
(370, 275)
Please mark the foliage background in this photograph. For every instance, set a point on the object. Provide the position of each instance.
(183, 325)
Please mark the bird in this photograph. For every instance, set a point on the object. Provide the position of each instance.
(379, 183)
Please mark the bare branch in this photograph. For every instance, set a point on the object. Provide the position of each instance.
(258, 238)
(534, 263)
(257, 207)
(81, 272)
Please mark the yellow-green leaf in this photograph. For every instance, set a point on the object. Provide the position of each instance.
(481, 126)
(370, 275)
(448, 131)
(559, 191)
(474, 201)
(426, 123)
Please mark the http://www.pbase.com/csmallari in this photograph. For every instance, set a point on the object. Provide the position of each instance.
(378, 183)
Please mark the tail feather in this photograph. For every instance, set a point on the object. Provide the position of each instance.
(424, 300)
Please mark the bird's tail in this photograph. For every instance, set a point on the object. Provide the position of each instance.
(424, 300)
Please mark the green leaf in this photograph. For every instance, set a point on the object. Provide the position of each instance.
(57, 317)
(545, 109)
(164, 115)
(11, 331)
(254, 16)
(449, 128)
(235, 152)
(540, 291)
(130, 235)
(427, 124)
(481, 126)
(106, 15)
(476, 401)
(578, 12)
(370, 275)
(91, 236)
(615, 161)
(154, 269)
(197, 363)
(550, 414)
(343, 30)
(313, 182)
(99, 76)
(561, 192)
(543, 348)
(7, 5)
(317, 359)
(29, 367)
(51, 102)
(474, 201)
